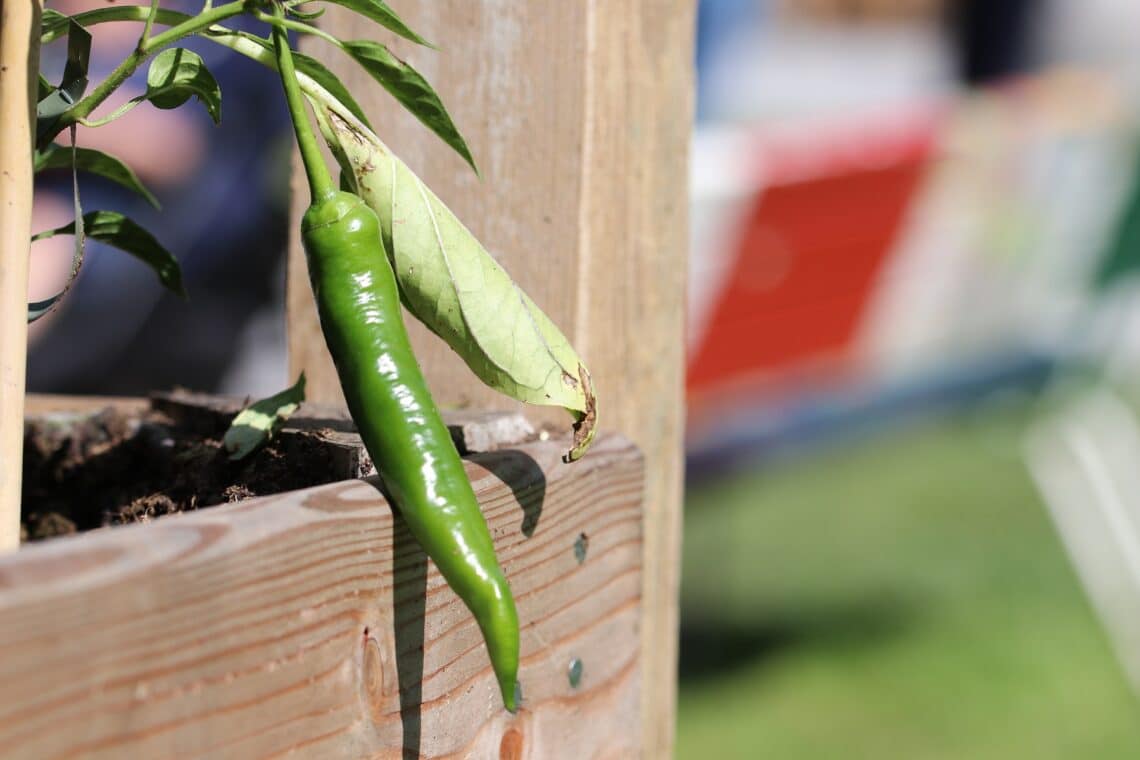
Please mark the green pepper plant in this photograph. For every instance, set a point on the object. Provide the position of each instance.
(362, 266)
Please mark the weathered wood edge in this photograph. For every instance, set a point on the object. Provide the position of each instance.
(472, 430)
(39, 404)
(273, 625)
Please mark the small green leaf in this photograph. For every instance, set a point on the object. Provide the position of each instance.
(96, 162)
(78, 55)
(176, 75)
(411, 89)
(56, 101)
(121, 232)
(257, 423)
(382, 14)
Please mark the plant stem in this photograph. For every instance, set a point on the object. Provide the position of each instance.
(320, 181)
(301, 27)
(149, 23)
(145, 49)
(122, 110)
(242, 43)
(239, 42)
(119, 13)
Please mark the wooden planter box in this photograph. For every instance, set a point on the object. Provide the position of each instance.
(311, 623)
(308, 623)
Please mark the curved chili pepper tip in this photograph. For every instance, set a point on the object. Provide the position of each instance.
(515, 702)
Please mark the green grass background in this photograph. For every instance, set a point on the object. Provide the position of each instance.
(902, 597)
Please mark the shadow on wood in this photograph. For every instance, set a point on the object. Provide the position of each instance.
(409, 615)
(310, 623)
(523, 475)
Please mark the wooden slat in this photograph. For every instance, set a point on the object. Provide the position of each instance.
(311, 623)
(470, 430)
(579, 116)
(38, 404)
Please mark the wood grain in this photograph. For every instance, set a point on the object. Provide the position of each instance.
(579, 116)
(310, 624)
(39, 404)
(19, 65)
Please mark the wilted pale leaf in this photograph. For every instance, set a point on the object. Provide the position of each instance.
(257, 423)
(450, 283)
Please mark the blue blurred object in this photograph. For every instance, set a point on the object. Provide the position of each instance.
(806, 420)
(717, 22)
(118, 331)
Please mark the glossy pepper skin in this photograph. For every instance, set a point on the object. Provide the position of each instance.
(359, 307)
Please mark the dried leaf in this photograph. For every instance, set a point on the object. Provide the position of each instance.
(257, 423)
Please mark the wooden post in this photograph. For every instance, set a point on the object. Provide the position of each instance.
(579, 116)
(19, 64)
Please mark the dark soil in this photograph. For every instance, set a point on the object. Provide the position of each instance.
(83, 472)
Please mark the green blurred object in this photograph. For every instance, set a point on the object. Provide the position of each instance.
(905, 597)
(1123, 254)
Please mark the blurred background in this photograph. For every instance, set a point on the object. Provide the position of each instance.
(912, 507)
(912, 522)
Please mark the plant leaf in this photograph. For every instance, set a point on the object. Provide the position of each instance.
(325, 78)
(96, 162)
(48, 111)
(39, 309)
(43, 89)
(258, 422)
(382, 14)
(450, 283)
(319, 74)
(71, 88)
(78, 56)
(411, 89)
(296, 12)
(122, 232)
(177, 74)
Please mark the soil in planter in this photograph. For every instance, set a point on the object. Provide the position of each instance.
(83, 472)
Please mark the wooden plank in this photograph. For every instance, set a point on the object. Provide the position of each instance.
(579, 116)
(471, 430)
(311, 623)
(39, 404)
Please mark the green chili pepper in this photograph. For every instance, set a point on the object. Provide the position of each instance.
(359, 307)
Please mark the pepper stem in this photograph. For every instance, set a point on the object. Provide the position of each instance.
(320, 181)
